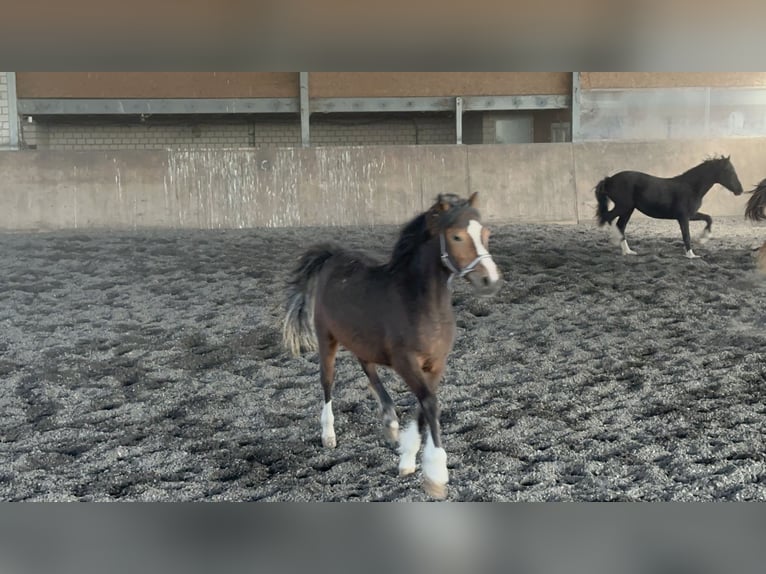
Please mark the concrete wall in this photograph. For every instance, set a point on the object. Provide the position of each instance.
(337, 185)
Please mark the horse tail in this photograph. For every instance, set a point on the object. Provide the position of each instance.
(298, 331)
(756, 205)
(603, 201)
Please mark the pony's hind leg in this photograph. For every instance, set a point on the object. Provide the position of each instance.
(622, 223)
(707, 232)
(328, 347)
(684, 224)
(390, 420)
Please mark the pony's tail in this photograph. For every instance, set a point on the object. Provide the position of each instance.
(298, 331)
(603, 201)
(756, 205)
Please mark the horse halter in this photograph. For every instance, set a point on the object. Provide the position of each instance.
(454, 271)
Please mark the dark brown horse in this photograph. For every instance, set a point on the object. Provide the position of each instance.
(397, 314)
(678, 197)
(756, 211)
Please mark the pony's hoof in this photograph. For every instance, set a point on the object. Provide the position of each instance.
(435, 490)
(406, 470)
(690, 255)
(329, 441)
(392, 433)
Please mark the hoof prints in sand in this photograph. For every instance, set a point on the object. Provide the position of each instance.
(147, 366)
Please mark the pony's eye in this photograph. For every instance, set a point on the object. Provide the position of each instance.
(457, 238)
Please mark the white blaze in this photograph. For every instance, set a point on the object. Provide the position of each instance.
(474, 231)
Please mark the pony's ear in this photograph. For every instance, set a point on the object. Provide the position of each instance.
(443, 203)
(474, 199)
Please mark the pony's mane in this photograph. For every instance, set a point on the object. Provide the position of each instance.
(416, 232)
(412, 236)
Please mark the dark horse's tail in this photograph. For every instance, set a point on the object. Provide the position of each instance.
(603, 201)
(756, 205)
(298, 331)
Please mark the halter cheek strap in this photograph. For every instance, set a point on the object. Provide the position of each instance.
(454, 271)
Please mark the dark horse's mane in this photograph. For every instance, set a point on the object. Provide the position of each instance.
(416, 232)
(706, 162)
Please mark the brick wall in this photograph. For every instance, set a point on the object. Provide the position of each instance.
(128, 133)
(5, 124)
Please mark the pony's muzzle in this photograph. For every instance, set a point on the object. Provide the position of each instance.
(484, 282)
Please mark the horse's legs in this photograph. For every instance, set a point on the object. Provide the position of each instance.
(409, 444)
(610, 215)
(423, 384)
(622, 223)
(707, 232)
(684, 223)
(435, 473)
(390, 420)
(328, 347)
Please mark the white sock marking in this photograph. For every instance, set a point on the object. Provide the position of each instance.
(409, 444)
(474, 231)
(625, 249)
(435, 462)
(705, 236)
(690, 255)
(328, 429)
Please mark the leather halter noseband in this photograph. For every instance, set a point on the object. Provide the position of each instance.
(454, 271)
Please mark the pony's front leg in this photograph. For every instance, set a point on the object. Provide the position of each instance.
(435, 473)
(423, 383)
(409, 445)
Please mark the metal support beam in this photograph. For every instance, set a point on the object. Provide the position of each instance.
(575, 106)
(305, 110)
(158, 106)
(501, 103)
(438, 104)
(458, 120)
(13, 111)
(134, 106)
